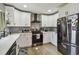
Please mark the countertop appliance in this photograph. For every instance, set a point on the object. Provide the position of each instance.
(68, 35)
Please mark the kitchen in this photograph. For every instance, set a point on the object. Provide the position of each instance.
(31, 28)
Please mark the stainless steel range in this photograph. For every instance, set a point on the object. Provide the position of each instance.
(37, 38)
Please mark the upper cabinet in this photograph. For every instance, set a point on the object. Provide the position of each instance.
(9, 15)
(25, 19)
(49, 20)
(45, 21)
(22, 18)
(17, 18)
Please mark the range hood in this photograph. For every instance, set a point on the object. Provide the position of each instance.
(35, 19)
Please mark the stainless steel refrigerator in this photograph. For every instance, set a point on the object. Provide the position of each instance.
(68, 35)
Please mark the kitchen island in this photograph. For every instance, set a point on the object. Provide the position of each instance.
(7, 42)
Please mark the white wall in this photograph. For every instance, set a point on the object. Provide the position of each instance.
(71, 8)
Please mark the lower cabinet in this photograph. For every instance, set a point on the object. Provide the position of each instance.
(25, 40)
(47, 36)
(50, 37)
(12, 50)
(54, 38)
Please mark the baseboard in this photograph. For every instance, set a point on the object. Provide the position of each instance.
(53, 44)
(46, 43)
(39, 45)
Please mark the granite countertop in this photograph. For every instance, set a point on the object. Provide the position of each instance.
(7, 42)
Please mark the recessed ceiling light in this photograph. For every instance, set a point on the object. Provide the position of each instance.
(25, 6)
(49, 10)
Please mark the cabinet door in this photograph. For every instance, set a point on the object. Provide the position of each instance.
(44, 21)
(54, 39)
(9, 15)
(49, 20)
(52, 20)
(25, 40)
(46, 37)
(29, 39)
(22, 41)
(28, 19)
(25, 19)
(17, 17)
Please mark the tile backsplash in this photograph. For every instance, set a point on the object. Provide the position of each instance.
(18, 29)
(49, 29)
(27, 29)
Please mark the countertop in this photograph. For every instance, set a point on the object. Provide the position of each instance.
(6, 43)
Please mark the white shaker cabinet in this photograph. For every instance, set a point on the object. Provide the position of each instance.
(12, 16)
(49, 20)
(17, 18)
(9, 15)
(44, 21)
(47, 37)
(25, 19)
(53, 20)
(22, 18)
(54, 38)
(25, 40)
(50, 37)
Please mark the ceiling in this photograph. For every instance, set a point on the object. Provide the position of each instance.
(38, 7)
